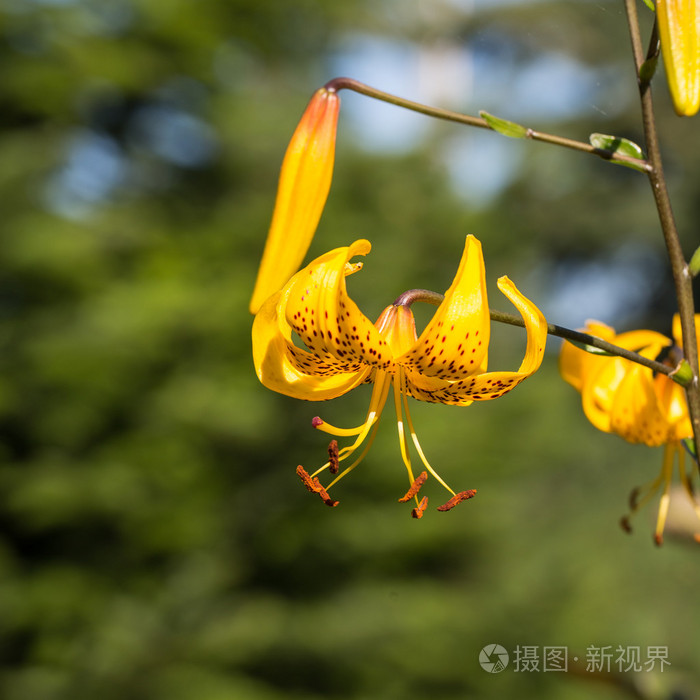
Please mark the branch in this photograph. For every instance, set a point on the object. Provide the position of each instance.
(480, 123)
(682, 278)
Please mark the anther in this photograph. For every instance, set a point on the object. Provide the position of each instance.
(314, 486)
(420, 509)
(333, 457)
(457, 498)
(633, 498)
(658, 539)
(415, 487)
(625, 524)
(316, 421)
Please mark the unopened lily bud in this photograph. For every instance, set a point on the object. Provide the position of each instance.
(305, 180)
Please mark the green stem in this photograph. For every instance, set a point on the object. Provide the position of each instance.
(586, 339)
(682, 278)
(361, 88)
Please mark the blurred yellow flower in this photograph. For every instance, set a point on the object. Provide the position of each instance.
(343, 349)
(622, 397)
(305, 179)
(679, 28)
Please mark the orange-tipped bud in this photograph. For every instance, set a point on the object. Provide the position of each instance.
(679, 27)
(303, 188)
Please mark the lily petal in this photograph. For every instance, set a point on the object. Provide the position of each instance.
(488, 385)
(679, 28)
(326, 319)
(454, 344)
(289, 370)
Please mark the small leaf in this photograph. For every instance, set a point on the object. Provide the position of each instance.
(689, 445)
(649, 4)
(617, 145)
(694, 263)
(503, 126)
(648, 68)
(590, 348)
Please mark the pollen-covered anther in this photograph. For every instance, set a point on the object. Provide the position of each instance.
(415, 487)
(314, 486)
(418, 511)
(658, 539)
(333, 459)
(316, 422)
(456, 499)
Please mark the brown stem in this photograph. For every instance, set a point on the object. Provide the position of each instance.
(361, 88)
(682, 278)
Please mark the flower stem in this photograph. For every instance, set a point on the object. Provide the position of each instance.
(479, 122)
(682, 277)
(586, 339)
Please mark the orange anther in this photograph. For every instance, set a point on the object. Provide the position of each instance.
(457, 498)
(415, 487)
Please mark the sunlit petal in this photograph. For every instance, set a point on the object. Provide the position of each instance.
(679, 28)
(454, 343)
(289, 370)
(305, 180)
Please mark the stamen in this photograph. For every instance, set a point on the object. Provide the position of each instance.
(414, 437)
(403, 441)
(376, 404)
(321, 425)
(420, 509)
(456, 499)
(667, 472)
(415, 487)
(625, 524)
(314, 486)
(334, 462)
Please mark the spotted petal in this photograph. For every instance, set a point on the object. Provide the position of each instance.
(489, 385)
(290, 370)
(454, 344)
(326, 319)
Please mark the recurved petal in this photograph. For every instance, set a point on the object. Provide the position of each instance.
(305, 179)
(679, 28)
(289, 370)
(535, 327)
(455, 341)
(326, 319)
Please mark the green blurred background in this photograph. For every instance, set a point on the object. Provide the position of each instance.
(155, 541)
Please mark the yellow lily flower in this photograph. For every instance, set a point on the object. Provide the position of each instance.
(305, 179)
(343, 349)
(679, 28)
(625, 398)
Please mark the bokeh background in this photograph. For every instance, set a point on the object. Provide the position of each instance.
(155, 542)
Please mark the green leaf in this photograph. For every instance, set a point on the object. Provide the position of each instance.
(694, 263)
(648, 68)
(617, 145)
(590, 348)
(503, 126)
(689, 445)
(649, 4)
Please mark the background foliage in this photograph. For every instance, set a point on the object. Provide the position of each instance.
(155, 542)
